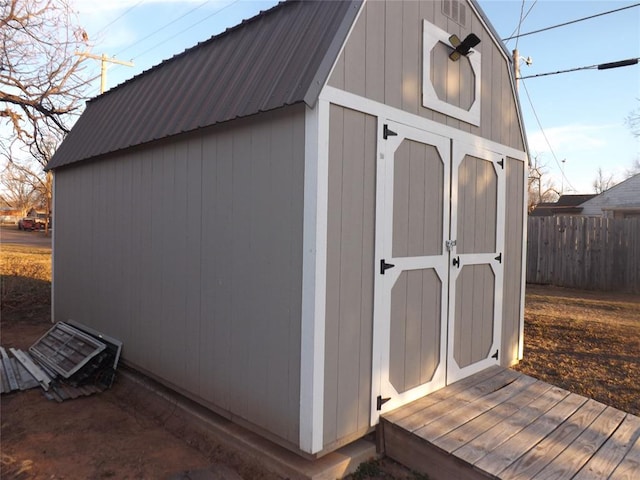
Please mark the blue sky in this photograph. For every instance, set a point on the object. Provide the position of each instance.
(582, 114)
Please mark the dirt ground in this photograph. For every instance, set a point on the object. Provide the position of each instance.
(586, 342)
(109, 435)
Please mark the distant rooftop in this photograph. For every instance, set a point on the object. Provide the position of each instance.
(566, 205)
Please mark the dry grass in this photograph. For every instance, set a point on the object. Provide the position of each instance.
(585, 342)
(25, 282)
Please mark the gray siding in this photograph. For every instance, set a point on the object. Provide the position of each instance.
(190, 252)
(382, 61)
(415, 328)
(417, 200)
(513, 245)
(349, 302)
(474, 312)
(477, 206)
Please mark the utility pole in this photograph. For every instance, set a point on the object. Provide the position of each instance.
(103, 65)
(516, 67)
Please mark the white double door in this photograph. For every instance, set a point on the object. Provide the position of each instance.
(439, 243)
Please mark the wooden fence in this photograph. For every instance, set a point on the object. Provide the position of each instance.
(584, 252)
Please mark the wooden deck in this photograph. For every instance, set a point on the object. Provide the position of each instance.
(502, 424)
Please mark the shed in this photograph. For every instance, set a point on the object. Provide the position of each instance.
(334, 221)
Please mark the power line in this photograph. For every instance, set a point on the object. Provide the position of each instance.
(173, 21)
(535, 114)
(602, 66)
(523, 18)
(571, 22)
(520, 21)
(188, 28)
(119, 17)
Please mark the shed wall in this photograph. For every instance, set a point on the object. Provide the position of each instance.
(190, 252)
(350, 264)
(383, 57)
(513, 287)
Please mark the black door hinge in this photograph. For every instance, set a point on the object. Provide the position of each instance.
(499, 258)
(386, 132)
(381, 401)
(385, 266)
(501, 163)
(495, 355)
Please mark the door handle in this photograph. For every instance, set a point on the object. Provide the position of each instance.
(456, 262)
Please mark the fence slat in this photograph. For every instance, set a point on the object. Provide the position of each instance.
(591, 253)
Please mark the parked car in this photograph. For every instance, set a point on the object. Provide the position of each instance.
(27, 223)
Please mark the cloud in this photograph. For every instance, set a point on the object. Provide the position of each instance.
(574, 138)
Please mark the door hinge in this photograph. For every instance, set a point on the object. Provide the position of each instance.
(386, 132)
(385, 266)
(499, 258)
(450, 244)
(501, 163)
(380, 402)
(495, 355)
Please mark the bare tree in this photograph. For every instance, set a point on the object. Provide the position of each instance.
(41, 83)
(634, 169)
(541, 187)
(633, 121)
(17, 190)
(603, 181)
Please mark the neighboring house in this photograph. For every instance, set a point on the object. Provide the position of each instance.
(10, 215)
(347, 210)
(620, 201)
(565, 205)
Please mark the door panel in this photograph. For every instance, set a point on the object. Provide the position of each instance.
(415, 328)
(412, 218)
(473, 333)
(475, 275)
(477, 203)
(417, 200)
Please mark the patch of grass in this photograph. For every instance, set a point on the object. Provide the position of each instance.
(367, 470)
(585, 342)
(24, 261)
(25, 281)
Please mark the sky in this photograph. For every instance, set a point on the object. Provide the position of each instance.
(575, 122)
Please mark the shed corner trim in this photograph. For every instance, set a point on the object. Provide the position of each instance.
(314, 277)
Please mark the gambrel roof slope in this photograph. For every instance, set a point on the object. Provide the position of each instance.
(280, 57)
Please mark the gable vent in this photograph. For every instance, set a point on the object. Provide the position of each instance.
(456, 11)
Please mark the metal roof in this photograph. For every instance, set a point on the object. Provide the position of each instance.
(280, 57)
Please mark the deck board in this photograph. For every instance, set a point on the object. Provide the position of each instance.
(506, 425)
(458, 417)
(602, 464)
(489, 419)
